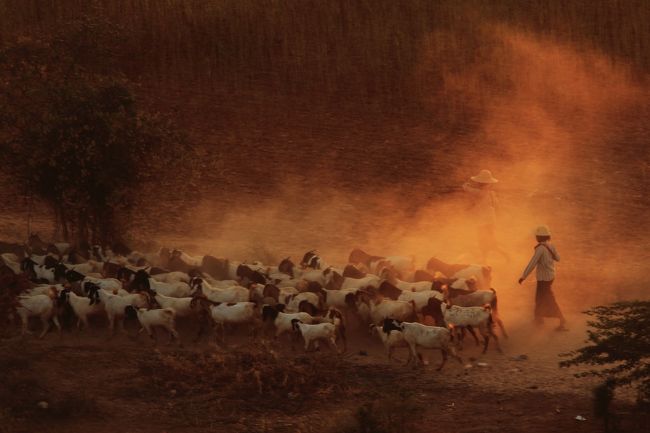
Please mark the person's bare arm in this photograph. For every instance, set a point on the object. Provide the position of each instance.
(531, 265)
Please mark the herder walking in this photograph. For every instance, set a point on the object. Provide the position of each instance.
(484, 212)
(544, 260)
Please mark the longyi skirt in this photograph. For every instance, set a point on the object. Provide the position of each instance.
(545, 304)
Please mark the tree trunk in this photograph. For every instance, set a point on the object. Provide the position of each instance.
(61, 225)
(105, 225)
(82, 227)
(57, 223)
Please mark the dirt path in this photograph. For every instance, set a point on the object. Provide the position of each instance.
(124, 384)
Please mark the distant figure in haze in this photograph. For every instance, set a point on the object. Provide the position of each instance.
(485, 212)
(544, 260)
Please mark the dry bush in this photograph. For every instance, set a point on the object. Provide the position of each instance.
(254, 375)
(11, 286)
(22, 389)
(395, 415)
(245, 389)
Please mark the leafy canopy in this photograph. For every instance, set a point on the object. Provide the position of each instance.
(73, 135)
(620, 343)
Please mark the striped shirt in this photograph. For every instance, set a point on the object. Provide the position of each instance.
(544, 260)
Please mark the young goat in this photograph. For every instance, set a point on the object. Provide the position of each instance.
(83, 307)
(405, 286)
(336, 317)
(38, 272)
(116, 305)
(378, 310)
(391, 339)
(429, 337)
(42, 306)
(295, 301)
(172, 277)
(316, 332)
(214, 294)
(232, 313)
(177, 289)
(181, 306)
(476, 298)
(479, 317)
(336, 281)
(282, 320)
(420, 299)
(162, 317)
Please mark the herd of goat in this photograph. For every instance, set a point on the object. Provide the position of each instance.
(314, 302)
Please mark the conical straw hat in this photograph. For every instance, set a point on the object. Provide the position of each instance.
(485, 176)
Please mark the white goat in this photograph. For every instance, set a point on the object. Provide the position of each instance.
(316, 332)
(283, 294)
(360, 283)
(43, 273)
(172, 277)
(219, 284)
(115, 306)
(178, 289)
(479, 317)
(232, 313)
(42, 306)
(481, 274)
(308, 274)
(109, 284)
(234, 293)
(181, 306)
(429, 337)
(402, 265)
(45, 289)
(281, 320)
(296, 283)
(406, 286)
(82, 308)
(379, 310)
(477, 298)
(295, 300)
(391, 339)
(343, 299)
(83, 268)
(420, 299)
(11, 260)
(39, 260)
(162, 317)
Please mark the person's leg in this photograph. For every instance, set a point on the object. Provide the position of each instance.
(539, 298)
(483, 243)
(556, 308)
(562, 325)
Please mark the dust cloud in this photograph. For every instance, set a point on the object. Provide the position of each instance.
(560, 130)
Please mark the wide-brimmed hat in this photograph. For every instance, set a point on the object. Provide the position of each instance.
(485, 176)
(542, 231)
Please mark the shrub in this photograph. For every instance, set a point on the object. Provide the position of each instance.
(620, 344)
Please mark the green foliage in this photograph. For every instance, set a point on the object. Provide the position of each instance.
(73, 134)
(620, 343)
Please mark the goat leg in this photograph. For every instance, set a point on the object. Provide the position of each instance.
(472, 331)
(444, 359)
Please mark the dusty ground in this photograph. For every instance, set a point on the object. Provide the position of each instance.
(128, 384)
